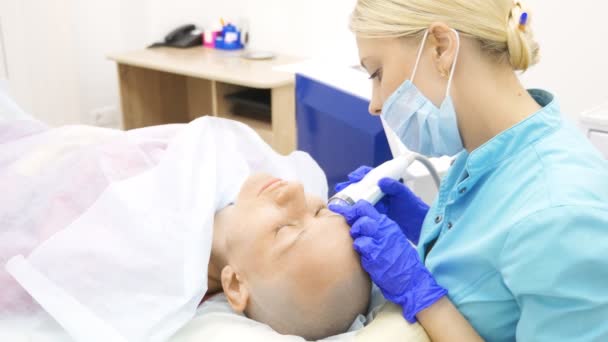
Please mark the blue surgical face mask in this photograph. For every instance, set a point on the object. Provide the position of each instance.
(418, 123)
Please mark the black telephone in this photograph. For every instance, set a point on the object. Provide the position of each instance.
(182, 37)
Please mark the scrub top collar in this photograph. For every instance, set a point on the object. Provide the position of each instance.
(510, 142)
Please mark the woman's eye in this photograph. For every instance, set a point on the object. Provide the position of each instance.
(319, 210)
(376, 75)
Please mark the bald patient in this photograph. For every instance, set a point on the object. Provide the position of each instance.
(283, 259)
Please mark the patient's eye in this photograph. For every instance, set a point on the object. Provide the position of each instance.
(280, 228)
(319, 210)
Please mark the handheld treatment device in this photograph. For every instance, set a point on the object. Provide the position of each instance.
(368, 189)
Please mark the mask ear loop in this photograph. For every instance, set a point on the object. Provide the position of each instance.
(426, 34)
(447, 92)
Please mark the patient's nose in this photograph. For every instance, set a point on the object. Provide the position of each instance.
(292, 196)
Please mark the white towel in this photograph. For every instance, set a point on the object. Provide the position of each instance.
(115, 228)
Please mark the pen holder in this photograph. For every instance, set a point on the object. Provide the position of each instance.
(229, 39)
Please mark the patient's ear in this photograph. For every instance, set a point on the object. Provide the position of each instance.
(235, 290)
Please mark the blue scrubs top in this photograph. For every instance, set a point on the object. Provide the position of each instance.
(519, 233)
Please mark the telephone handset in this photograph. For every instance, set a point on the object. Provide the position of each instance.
(182, 37)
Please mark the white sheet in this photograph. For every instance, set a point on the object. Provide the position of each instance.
(9, 110)
(115, 228)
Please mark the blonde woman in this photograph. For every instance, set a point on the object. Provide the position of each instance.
(516, 240)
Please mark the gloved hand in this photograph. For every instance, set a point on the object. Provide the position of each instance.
(391, 261)
(400, 204)
(354, 177)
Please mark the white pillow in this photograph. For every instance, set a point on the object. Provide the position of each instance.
(215, 321)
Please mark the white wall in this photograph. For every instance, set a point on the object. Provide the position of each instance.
(56, 54)
(301, 28)
(102, 27)
(40, 57)
(56, 49)
(97, 29)
(3, 68)
(574, 50)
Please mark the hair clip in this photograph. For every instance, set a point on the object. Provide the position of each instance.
(523, 21)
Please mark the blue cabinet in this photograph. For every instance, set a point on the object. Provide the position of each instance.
(335, 128)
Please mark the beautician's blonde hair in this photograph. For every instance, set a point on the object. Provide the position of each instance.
(494, 23)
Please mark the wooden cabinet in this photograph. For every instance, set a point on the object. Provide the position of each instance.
(165, 85)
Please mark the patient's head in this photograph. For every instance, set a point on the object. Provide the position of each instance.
(290, 261)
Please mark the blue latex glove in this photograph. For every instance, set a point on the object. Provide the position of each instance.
(400, 204)
(391, 261)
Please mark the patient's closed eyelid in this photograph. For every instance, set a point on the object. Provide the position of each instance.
(278, 228)
(282, 226)
(320, 209)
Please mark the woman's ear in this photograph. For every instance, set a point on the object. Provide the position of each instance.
(446, 47)
(235, 290)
